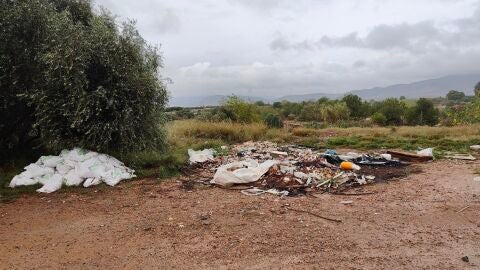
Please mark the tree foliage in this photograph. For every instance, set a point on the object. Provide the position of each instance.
(273, 121)
(455, 95)
(70, 77)
(393, 110)
(242, 111)
(355, 105)
(423, 113)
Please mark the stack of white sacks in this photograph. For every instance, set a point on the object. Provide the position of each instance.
(73, 168)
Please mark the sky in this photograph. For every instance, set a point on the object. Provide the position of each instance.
(272, 48)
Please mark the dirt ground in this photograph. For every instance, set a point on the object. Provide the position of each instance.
(425, 221)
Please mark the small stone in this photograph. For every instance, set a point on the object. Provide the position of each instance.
(346, 202)
(465, 259)
(147, 229)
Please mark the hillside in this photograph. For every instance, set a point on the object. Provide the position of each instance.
(426, 88)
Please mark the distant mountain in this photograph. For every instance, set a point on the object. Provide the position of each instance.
(427, 88)
(213, 100)
(308, 97)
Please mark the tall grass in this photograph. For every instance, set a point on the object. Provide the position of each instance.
(225, 131)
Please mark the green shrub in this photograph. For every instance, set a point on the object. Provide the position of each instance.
(379, 119)
(273, 121)
(423, 113)
(243, 112)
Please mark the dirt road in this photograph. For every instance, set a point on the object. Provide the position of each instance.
(425, 221)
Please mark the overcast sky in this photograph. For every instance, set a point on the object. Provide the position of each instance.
(280, 47)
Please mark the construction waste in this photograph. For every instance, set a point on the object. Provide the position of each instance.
(265, 167)
(73, 168)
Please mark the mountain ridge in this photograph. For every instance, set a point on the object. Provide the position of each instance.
(430, 88)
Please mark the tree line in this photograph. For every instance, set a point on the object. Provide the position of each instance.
(351, 110)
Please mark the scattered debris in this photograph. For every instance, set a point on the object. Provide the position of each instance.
(355, 194)
(256, 191)
(72, 168)
(265, 168)
(461, 157)
(463, 209)
(314, 214)
(475, 147)
(409, 157)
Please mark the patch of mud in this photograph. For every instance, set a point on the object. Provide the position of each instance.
(386, 173)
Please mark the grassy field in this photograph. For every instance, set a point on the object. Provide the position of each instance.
(186, 134)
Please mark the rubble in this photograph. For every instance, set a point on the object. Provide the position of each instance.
(265, 167)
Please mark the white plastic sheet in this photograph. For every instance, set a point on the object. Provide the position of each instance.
(200, 156)
(241, 172)
(72, 168)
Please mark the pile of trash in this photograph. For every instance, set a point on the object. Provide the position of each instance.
(264, 167)
(73, 168)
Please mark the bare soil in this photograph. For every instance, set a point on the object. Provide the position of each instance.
(428, 220)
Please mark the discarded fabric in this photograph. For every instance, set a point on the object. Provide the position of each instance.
(72, 168)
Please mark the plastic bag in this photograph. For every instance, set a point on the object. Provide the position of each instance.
(241, 172)
(428, 152)
(200, 156)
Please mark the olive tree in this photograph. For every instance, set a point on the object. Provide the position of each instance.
(71, 77)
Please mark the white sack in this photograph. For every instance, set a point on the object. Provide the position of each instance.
(51, 183)
(200, 156)
(63, 168)
(50, 161)
(241, 172)
(73, 168)
(72, 178)
(33, 170)
(428, 152)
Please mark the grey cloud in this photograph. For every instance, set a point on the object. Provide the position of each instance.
(166, 21)
(260, 5)
(417, 38)
(359, 64)
(350, 40)
(281, 43)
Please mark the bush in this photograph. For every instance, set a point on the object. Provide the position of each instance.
(393, 110)
(325, 112)
(379, 119)
(78, 78)
(423, 113)
(273, 121)
(242, 111)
